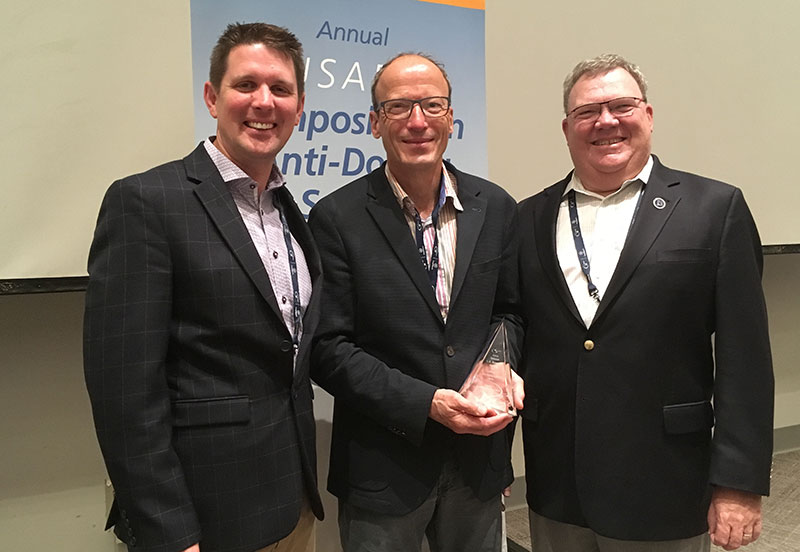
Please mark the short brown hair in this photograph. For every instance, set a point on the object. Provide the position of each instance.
(271, 36)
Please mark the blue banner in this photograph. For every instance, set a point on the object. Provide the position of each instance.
(345, 43)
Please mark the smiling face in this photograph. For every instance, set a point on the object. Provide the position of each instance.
(256, 107)
(418, 142)
(610, 150)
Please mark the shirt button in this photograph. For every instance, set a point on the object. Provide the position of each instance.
(588, 344)
(450, 351)
(274, 254)
(283, 299)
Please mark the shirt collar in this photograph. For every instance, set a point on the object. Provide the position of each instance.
(450, 189)
(643, 176)
(231, 173)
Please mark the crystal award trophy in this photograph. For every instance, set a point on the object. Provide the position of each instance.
(489, 382)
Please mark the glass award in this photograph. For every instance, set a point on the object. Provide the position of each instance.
(489, 382)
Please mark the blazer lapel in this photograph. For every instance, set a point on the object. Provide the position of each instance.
(385, 211)
(470, 222)
(661, 196)
(545, 227)
(213, 193)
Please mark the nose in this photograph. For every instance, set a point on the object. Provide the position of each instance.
(606, 118)
(417, 118)
(262, 96)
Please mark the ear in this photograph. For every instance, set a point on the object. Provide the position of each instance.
(210, 97)
(374, 124)
(300, 104)
(564, 126)
(649, 112)
(450, 121)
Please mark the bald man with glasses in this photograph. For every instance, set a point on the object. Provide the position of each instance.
(420, 265)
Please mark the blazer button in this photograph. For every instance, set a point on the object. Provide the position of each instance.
(450, 351)
(588, 344)
(286, 346)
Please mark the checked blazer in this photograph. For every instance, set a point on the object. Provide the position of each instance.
(382, 348)
(206, 430)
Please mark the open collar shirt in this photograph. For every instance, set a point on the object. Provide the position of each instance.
(445, 228)
(264, 225)
(604, 223)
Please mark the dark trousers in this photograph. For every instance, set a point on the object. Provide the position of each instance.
(452, 519)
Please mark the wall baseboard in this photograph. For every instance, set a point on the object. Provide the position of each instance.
(786, 438)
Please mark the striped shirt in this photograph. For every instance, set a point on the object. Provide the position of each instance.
(445, 228)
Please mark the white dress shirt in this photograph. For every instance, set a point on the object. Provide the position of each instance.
(604, 223)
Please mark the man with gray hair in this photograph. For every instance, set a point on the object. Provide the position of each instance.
(646, 329)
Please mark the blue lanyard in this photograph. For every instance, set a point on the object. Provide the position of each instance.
(433, 268)
(580, 248)
(296, 309)
(583, 257)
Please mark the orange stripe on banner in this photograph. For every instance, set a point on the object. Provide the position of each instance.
(474, 4)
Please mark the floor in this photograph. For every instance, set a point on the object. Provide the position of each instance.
(781, 531)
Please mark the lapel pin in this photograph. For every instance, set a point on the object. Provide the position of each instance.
(659, 203)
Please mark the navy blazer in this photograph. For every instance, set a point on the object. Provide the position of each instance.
(206, 431)
(618, 418)
(383, 349)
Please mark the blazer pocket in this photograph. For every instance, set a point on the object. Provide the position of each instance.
(683, 256)
(211, 411)
(485, 266)
(688, 417)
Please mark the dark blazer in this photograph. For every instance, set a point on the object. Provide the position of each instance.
(383, 349)
(618, 418)
(206, 432)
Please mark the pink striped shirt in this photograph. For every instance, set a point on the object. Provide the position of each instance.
(445, 228)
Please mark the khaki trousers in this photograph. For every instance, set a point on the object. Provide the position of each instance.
(548, 535)
(301, 539)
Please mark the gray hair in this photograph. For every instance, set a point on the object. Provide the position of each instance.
(398, 56)
(600, 66)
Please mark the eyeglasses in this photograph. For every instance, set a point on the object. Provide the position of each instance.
(618, 107)
(401, 108)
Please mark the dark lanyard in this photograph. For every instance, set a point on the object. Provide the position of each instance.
(433, 268)
(287, 236)
(580, 248)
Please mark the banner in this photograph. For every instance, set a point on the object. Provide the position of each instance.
(345, 43)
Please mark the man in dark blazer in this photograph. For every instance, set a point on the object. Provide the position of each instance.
(420, 263)
(202, 301)
(628, 269)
